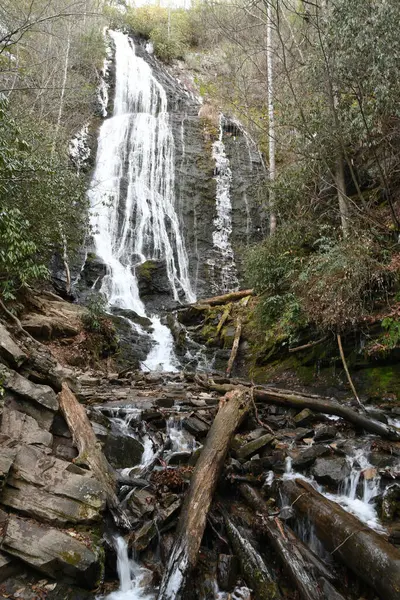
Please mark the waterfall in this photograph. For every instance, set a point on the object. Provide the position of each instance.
(223, 222)
(132, 194)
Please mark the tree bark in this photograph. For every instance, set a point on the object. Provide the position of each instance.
(230, 297)
(90, 453)
(254, 570)
(361, 549)
(271, 121)
(235, 346)
(287, 546)
(233, 407)
(318, 404)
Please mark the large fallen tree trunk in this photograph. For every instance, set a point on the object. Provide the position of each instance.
(254, 570)
(288, 547)
(216, 300)
(192, 520)
(90, 452)
(318, 404)
(361, 549)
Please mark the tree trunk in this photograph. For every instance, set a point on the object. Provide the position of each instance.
(254, 570)
(271, 121)
(318, 404)
(361, 549)
(287, 546)
(192, 521)
(90, 453)
(229, 297)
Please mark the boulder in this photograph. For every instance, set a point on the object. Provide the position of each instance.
(7, 456)
(153, 278)
(122, 451)
(255, 445)
(51, 551)
(325, 432)
(331, 471)
(44, 327)
(16, 383)
(304, 417)
(43, 416)
(24, 429)
(9, 350)
(195, 426)
(308, 457)
(391, 502)
(51, 489)
(8, 566)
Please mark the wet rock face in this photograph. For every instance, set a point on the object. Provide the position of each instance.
(195, 196)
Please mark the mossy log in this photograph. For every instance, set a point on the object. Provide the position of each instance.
(90, 452)
(254, 570)
(315, 403)
(232, 408)
(361, 549)
(235, 346)
(288, 547)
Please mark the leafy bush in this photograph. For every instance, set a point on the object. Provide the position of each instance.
(18, 254)
(340, 286)
(95, 314)
(43, 202)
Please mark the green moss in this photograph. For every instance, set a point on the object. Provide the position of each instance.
(146, 270)
(70, 557)
(383, 380)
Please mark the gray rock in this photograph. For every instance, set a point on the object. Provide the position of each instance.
(64, 448)
(391, 502)
(43, 416)
(9, 350)
(122, 451)
(8, 566)
(50, 489)
(331, 471)
(42, 394)
(44, 327)
(51, 551)
(304, 417)
(24, 429)
(255, 445)
(309, 456)
(325, 432)
(179, 458)
(227, 571)
(7, 456)
(195, 426)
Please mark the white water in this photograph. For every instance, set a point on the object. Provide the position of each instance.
(181, 440)
(223, 222)
(356, 499)
(132, 577)
(132, 194)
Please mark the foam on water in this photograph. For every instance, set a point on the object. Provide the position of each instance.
(132, 577)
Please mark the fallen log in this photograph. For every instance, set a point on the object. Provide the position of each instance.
(361, 549)
(90, 452)
(315, 403)
(205, 303)
(254, 570)
(235, 347)
(230, 297)
(224, 318)
(287, 546)
(192, 520)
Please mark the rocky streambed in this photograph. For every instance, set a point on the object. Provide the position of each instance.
(57, 538)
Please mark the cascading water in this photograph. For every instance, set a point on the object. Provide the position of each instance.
(131, 576)
(132, 194)
(223, 222)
